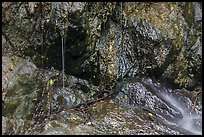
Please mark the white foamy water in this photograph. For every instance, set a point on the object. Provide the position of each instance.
(188, 121)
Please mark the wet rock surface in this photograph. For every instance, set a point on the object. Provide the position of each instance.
(107, 41)
(120, 59)
(170, 105)
(142, 106)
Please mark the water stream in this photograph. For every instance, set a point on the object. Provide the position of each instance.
(183, 118)
(63, 62)
(63, 35)
(190, 122)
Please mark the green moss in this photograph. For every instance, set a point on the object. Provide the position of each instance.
(188, 13)
(180, 71)
(162, 16)
(10, 106)
(100, 13)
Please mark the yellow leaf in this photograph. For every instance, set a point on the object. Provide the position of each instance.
(150, 114)
(51, 82)
(73, 118)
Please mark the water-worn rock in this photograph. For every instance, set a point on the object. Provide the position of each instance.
(31, 96)
(107, 41)
(8, 80)
(109, 118)
(17, 81)
(142, 106)
(19, 86)
(14, 67)
(170, 106)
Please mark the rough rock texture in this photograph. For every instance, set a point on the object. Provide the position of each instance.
(29, 99)
(107, 41)
(104, 44)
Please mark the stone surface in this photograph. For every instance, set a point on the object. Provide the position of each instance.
(121, 47)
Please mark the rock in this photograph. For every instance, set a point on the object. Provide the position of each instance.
(55, 131)
(14, 68)
(173, 106)
(85, 130)
(198, 11)
(13, 126)
(55, 128)
(105, 45)
(113, 119)
(8, 79)
(25, 108)
(108, 41)
(4, 125)
(18, 99)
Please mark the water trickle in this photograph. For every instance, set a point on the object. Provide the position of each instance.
(63, 62)
(190, 122)
(63, 36)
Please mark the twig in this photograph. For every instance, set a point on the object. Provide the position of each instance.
(195, 101)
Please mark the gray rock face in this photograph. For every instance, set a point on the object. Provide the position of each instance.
(8, 80)
(15, 71)
(198, 11)
(107, 41)
(19, 91)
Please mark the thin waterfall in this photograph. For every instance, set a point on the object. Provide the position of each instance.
(62, 22)
(63, 60)
(63, 36)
